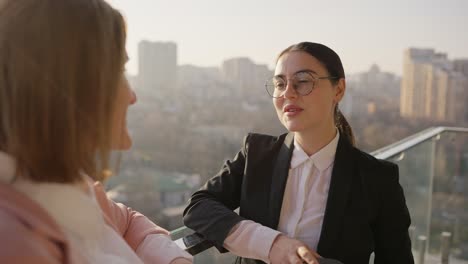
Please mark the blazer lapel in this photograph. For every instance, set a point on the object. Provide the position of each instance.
(337, 196)
(280, 176)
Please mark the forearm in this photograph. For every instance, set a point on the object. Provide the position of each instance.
(212, 219)
(251, 240)
(210, 211)
(161, 249)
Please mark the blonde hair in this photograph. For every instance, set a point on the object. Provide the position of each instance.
(61, 62)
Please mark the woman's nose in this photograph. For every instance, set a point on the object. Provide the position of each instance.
(290, 92)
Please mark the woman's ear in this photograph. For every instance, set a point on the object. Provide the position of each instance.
(340, 89)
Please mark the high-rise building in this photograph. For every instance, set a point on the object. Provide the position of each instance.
(461, 65)
(430, 87)
(246, 77)
(457, 98)
(202, 83)
(157, 67)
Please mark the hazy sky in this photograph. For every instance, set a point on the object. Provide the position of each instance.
(361, 32)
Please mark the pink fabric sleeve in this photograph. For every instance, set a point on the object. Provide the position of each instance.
(130, 224)
(251, 240)
(150, 242)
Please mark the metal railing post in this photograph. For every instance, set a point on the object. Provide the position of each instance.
(412, 235)
(422, 241)
(445, 245)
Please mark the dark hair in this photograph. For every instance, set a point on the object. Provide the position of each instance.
(332, 62)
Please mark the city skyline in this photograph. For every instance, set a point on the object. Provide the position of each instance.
(362, 32)
(433, 86)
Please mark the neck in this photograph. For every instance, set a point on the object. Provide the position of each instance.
(314, 140)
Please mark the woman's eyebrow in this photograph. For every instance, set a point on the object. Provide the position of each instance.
(297, 72)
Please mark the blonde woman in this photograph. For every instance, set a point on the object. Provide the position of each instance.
(63, 104)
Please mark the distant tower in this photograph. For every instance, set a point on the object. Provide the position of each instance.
(247, 77)
(428, 85)
(460, 66)
(157, 67)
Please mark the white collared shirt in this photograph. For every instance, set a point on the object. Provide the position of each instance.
(303, 208)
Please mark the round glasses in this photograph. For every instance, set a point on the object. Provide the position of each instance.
(303, 84)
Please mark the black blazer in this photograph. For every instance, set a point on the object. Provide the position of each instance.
(366, 210)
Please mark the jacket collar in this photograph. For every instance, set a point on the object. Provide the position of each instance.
(278, 182)
(338, 195)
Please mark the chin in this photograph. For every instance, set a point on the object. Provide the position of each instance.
(126, 145)
(292, 127)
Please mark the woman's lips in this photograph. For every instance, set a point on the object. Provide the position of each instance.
(292, 110)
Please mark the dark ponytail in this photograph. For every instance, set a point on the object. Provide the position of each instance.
(343, 126)
(332, 62)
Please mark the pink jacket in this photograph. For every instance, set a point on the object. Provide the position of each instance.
(28, 234)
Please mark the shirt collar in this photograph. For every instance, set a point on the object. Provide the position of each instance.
(73, 209)
(322, 159)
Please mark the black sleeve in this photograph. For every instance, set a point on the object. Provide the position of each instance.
(210, 211)
(393, 244)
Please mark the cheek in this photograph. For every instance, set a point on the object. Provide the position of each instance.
(278, 103)
(322, 100)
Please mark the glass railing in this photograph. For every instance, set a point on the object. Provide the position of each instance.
(434, 175)
(433, 168)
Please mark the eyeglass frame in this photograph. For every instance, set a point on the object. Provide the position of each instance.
(316, 79)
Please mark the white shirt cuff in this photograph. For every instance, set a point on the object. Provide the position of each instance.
(251, 240)
(159, 248)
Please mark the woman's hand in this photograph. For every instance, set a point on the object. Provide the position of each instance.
(291, 251)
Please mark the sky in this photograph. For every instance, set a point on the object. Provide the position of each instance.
(362, 32)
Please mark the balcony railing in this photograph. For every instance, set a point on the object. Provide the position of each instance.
(434, 174)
